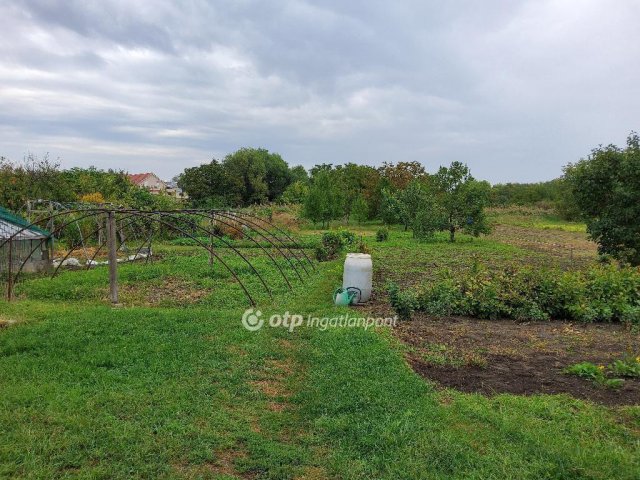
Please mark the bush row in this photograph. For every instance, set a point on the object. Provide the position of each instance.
(601, 293)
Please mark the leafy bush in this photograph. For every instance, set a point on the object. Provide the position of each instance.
(585, 370)
(321, 253)
(333, 243)
(602, 293)
(382, 235)
(595, 373)
(348, 238)
(628, 367)
(404, 302)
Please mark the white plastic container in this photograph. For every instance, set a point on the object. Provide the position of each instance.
(358, 272)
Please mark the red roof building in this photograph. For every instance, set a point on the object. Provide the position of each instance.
(150, 181)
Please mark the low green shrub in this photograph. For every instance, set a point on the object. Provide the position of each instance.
(627, 367)
(586, 370)
(595, 373)
(333, 242)
(603, 293)
(404, 302)
(382, 235)
(348, 238)
(321, 253)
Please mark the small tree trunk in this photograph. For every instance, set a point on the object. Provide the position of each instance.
(452, 234)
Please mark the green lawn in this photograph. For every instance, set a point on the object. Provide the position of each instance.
(175, 387)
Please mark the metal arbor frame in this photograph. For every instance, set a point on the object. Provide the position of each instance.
(187, 223)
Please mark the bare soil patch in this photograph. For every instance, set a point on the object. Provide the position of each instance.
(562, 248)
(503, 356)
(171, 291)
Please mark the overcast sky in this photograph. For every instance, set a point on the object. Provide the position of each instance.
(515, 89)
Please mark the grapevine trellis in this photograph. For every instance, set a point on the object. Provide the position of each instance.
(109, 229)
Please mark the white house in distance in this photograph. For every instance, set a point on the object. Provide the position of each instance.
(156, 185)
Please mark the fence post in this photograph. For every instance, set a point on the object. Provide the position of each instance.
(113, 256)
(211, 237)
(10, 272)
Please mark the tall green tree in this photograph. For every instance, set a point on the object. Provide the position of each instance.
(401, 174)
(243, 178)
(324, 201)
(277, 176)
(41, 178)
(606, 189)
(462, 200)
(299, 174)
(296, 193)
(207, 185)
(360, 209)
(246, 171)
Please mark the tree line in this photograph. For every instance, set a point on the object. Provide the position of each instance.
(41, 178)
(602, 189)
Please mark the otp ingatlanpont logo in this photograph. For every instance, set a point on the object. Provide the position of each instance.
(251, 319)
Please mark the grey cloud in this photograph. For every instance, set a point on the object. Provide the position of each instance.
(514, 88)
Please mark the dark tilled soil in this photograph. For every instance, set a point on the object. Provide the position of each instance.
(503, 356)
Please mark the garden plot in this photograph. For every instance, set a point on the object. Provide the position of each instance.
(503, 356)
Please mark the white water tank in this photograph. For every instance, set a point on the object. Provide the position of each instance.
(358, 272)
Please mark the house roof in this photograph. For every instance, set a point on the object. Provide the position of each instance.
(138, 178)
(11, 224)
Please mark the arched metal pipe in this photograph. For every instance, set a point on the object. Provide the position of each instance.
(234, 216)
(31, 225)
(210, 250)
(55, 273)
(273, 225)
(252, 226)
(102, 244)
(207, 215)
(220, 237)
(174, 221)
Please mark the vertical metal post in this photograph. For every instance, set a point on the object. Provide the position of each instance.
(211, 227)
(10, 272)
(113, 256)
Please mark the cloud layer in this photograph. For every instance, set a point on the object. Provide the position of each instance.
(515, 89)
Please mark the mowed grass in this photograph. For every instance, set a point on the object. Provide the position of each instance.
(382, 421)
(181, 277)
(158, 390)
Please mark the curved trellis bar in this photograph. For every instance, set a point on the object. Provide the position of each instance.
(287, 236)
(209, 249)
(129, 226)
(216, 217)
(102, 244)
(221, 238)
(75, 247)
(71, 250)
(258, 228)
(46, 239)
(38, 222)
